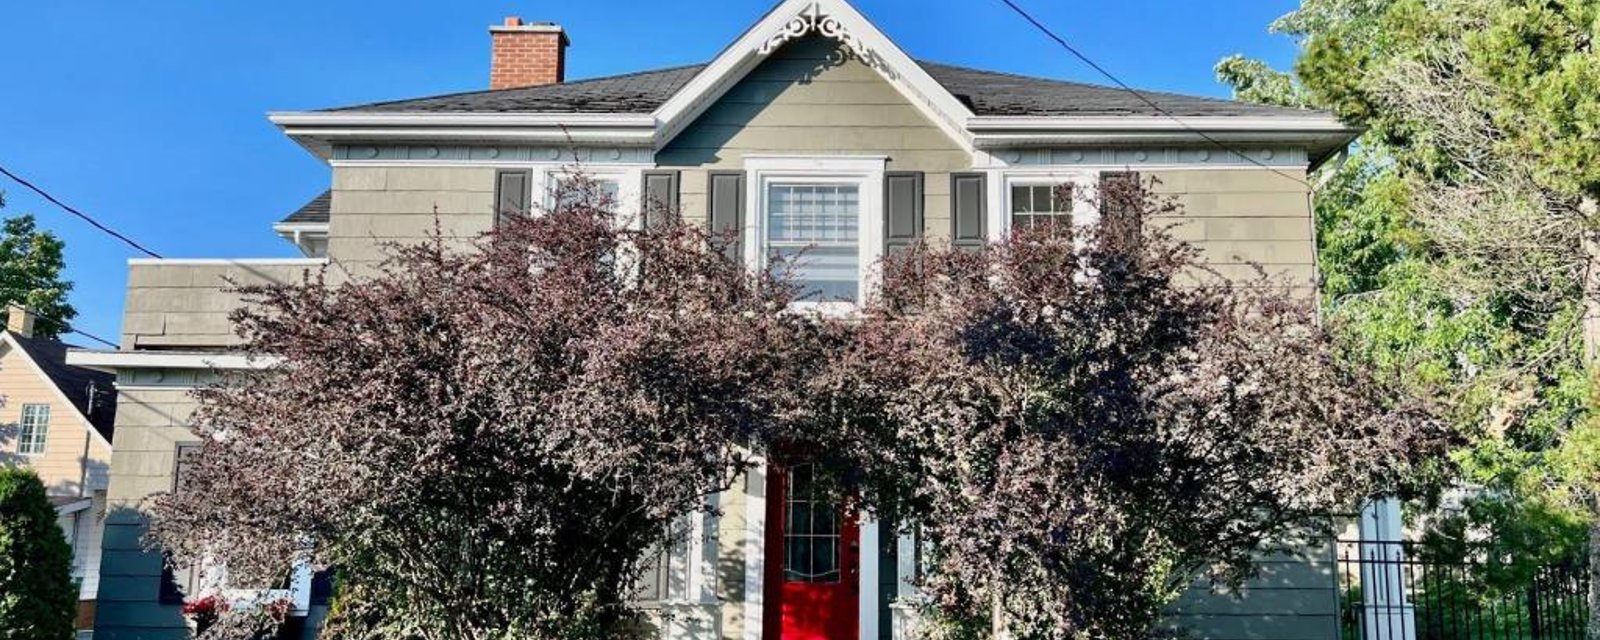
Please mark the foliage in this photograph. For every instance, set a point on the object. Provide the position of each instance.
(1453, 240)
(31, 262)
(487, 442)
(38, 600)
(1079, 421)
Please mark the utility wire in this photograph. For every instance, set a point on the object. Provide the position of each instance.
(68, 326)
(1112, 77)
(69, 209)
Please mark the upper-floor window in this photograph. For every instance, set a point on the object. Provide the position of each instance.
(565, 192)
(1030, 197)
(35, 428)
(1033, 204)
(821, 218)
(815, 228)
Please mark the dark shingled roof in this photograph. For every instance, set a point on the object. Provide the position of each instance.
(75, 382)
(638, 92)
(987, 93)
(992, 93)
(313, 212)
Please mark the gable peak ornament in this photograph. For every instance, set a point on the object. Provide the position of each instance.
(812, 19)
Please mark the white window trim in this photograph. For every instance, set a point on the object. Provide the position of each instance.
(1085, 186)
(629, 179)
(22, 425)
(864, 171)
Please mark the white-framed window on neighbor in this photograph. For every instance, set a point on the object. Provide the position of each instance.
(822, 216)
(34, 429)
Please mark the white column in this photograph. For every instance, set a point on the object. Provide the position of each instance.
(704, 586)
(300, 589)
(755, 520)
(1387, 611)
(868, 577)
(904, 609)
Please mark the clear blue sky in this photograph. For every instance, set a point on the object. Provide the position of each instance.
(151, 115)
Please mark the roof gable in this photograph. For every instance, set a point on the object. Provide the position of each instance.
(91, 394)
(793, 19)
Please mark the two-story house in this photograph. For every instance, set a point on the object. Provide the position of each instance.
(812, 111)
(57, 419)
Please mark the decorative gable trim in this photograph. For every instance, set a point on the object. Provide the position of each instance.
(835, 19)
(815, 19)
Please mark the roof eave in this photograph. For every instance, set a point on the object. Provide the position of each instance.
(319, 131)
(1321, 135)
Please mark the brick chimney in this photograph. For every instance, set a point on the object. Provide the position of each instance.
(19, 320)
(526, 55)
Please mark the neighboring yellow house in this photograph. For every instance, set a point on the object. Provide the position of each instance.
(57, 419)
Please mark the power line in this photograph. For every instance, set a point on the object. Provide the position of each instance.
(68, 326)
(86, 217)
(1159, 109)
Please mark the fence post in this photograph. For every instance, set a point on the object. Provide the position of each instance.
(1383, 587)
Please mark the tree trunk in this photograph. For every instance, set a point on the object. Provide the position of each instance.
(1591, 351)
(1594, 565)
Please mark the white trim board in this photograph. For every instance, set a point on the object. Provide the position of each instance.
(114, 360)
(242, 262)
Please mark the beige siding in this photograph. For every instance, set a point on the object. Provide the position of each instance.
(1243, 218)
(69, 443)
(806, 100)
(377, 206)
(186, 305)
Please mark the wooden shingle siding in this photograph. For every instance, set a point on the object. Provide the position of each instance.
(376, 206)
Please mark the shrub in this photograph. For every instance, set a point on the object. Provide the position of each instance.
(37, 598)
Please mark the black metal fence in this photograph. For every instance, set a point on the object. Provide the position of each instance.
(1392, 591)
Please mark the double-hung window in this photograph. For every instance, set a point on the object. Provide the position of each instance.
(820, 218)
(815, 230)
(34, 430)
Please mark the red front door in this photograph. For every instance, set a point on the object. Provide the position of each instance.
(813, 556)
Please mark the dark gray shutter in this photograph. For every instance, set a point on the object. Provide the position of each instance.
(725, 209)
(1120, 210)
(969, 209)
(513, 193)
(660, 197)
(902, 210)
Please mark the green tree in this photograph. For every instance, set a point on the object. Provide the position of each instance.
(37, 597)
(31, 262)
(1459, 238)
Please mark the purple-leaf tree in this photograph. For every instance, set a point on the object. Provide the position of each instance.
(486, 443)
(1081, 421)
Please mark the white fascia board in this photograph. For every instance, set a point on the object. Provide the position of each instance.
(317, 131)
(430, 119)
(74, 507)
(243, 262)
(1318, 123)
(289, 228)
(115, 360)
(739, 58)
(1015, 139)
(637, 136)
